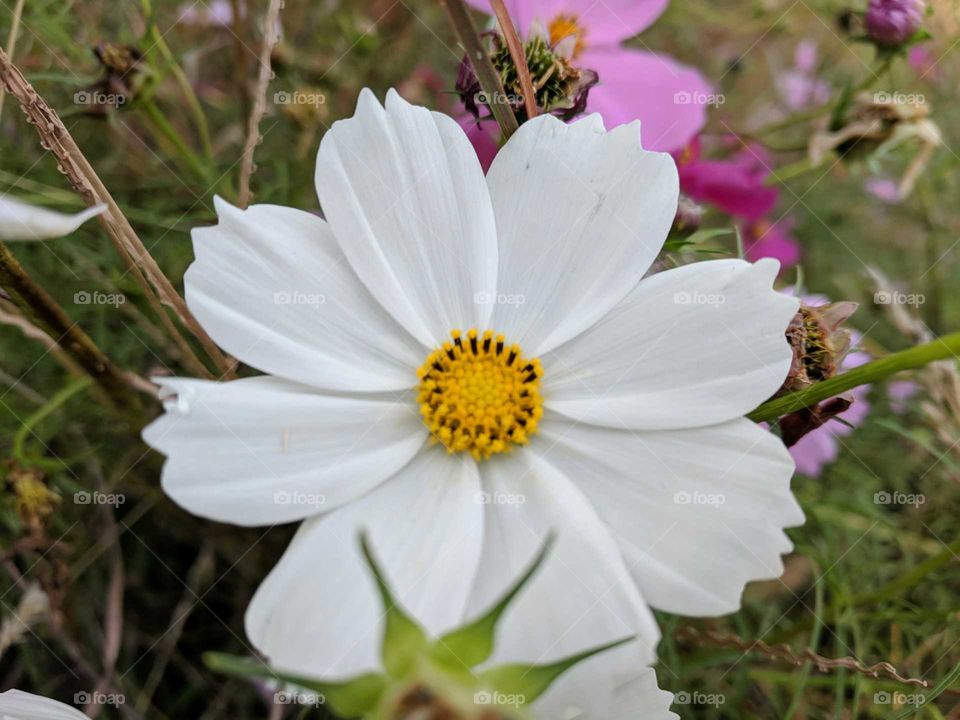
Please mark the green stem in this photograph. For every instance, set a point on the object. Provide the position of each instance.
(168, 132)
(20, 437)
(942, 348)
(487, 74)
(199, 117)
(793, 170)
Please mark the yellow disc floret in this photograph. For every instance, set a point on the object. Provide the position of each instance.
(564, 26)
(480, 396)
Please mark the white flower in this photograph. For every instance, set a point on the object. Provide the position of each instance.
(662, 494)
(22, 221)
(19, 705)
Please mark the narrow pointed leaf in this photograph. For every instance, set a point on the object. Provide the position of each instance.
(528, 682)
(348, 698)
(403, 638)
(472, 644)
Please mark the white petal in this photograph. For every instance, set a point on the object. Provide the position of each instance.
(405, 195)
(697, 345)
(581, 215)
(22, 221)
(19, 705)
(697, 513)
(581, 598)
(272, 287)
(639, 697)
(318, 611)
(262, 450)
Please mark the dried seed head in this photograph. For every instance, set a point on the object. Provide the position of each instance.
(819, 343)
(561, 88)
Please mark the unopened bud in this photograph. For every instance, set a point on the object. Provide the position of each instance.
(892, 22)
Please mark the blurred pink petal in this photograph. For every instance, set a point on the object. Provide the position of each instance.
(772, 239)
(799, 86)
(900, 392)
(805, 56)
(606, 22)
(923, 62)
(483, 137)
(734, 185)
(885, 189)
(668, 98)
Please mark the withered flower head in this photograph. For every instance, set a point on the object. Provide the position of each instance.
(561, 89)
(877, 122)
(819, 343)
(35, 502)
(125, 76)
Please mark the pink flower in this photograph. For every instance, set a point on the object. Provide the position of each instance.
(884, 189)
(799, 86)
(734, 185)
(669, 98)
(893, 22)
(773, 239)
(822, 446)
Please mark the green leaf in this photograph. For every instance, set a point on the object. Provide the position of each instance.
(528, 682)
(472, 644)
(348, 698)
(403, 638)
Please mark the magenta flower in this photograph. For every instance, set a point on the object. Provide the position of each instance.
(669, 98)
(772, 239)
(734, 185)
(893, 22)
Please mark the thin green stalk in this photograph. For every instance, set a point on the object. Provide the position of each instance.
(813, 644)
(199, 117)
(169, 133)
(942, 348)
(487, 74)
(26, 428)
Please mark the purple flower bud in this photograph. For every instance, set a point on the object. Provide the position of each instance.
(893, 22)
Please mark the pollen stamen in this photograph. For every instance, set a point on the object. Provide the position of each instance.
(475, 398)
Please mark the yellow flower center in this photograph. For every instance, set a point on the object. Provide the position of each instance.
(479, 396)
(563, 26)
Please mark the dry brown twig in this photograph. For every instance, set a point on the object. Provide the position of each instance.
(515, 46)
(785, 652)
(270, 37)
(55, 137)
(61, 330)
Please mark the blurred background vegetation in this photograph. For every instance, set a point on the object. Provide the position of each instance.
(138, 591)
